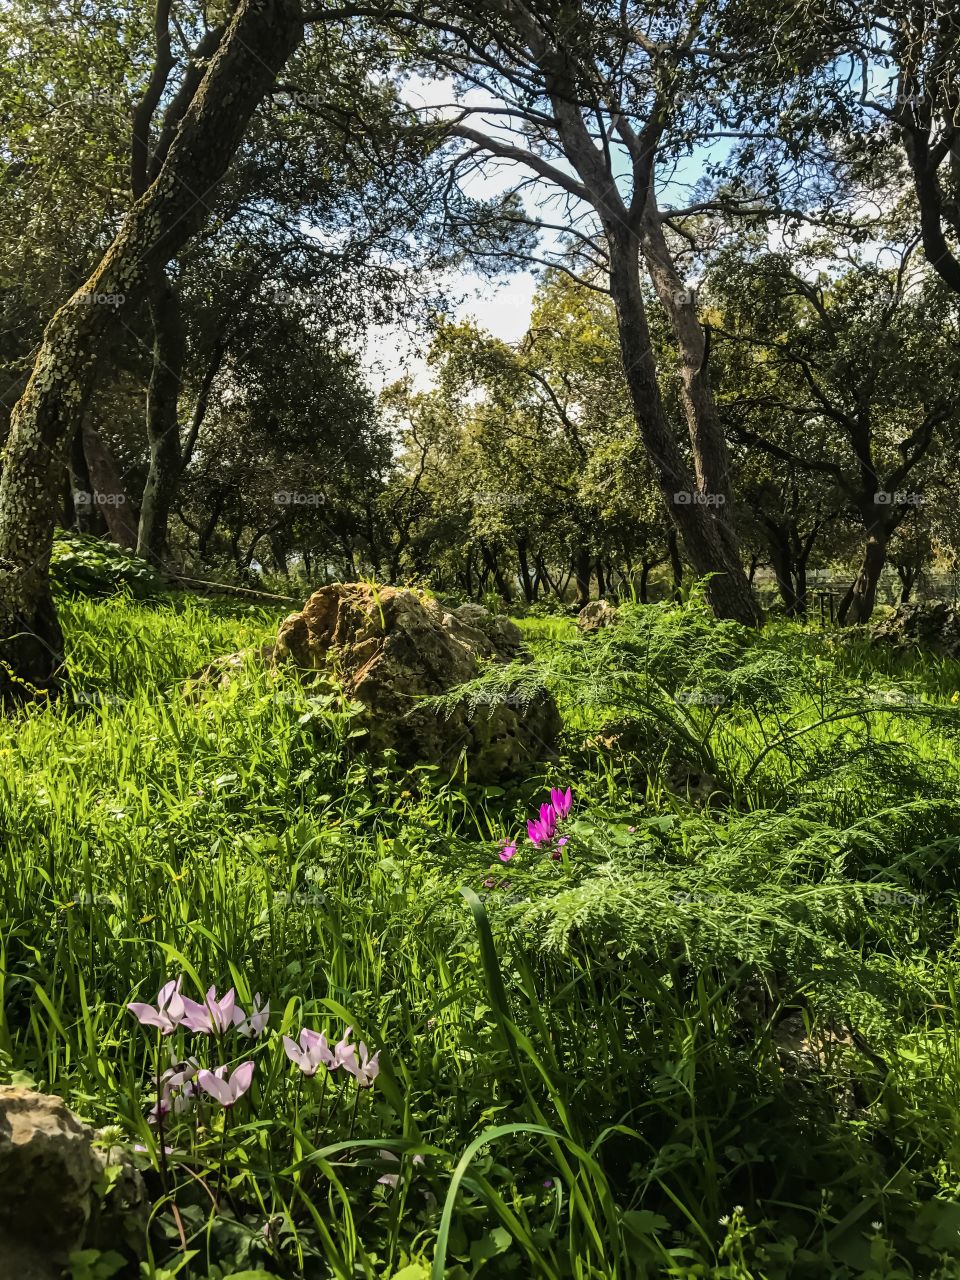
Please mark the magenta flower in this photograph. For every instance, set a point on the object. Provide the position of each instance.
(508, 851)
(213, 1016)
(226, 1090)
(562, 801)
(311, 1053)
(256, 1024)
(542, 829)
(170, 1010)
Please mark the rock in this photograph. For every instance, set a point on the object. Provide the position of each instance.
(389, 648)
(50, 1175)
(222, 671)
(596, 615)
(933, 626)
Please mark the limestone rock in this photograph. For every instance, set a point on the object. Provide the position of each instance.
(933, 626)
(596, 615)
(50, 1172)
(390, 647)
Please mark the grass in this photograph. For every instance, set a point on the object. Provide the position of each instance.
(719, 1037)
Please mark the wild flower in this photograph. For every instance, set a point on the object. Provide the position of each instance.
(256, 1024)
(227, 1090)
(168, 1014)
(508, 850)
(562, 801)
(542, 829)
(391, 1179)
(213, 1016)
(366, 1070)
(312, 1052)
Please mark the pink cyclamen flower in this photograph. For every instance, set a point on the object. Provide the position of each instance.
(311, 1053)
(366, 1070)
(508, 851)
(169, 1012)
(226, 1090)
(256, 1024)
(213, 1016)
(562, 801)
(543, 828)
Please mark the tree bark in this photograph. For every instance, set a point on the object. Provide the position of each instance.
(163, 421)
(708, 540)
(87, 515)
(582, 563)
(862, 597)
(261, 36)
(676, 564)
(120, 515)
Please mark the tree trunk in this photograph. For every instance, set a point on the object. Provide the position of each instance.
(261, 36)
(119, 512)
(645, 567)
(87, 514)
(581, 568)
(163, 421)
(493, 564)
(863, 594)
(779, 544)
(523, 564)
(676, 564)
(693, 506)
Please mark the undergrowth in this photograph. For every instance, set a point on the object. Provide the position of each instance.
(718, 1036)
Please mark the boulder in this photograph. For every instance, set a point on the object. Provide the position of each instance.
(389, 648)
(50, 1182)
(933, 626)
(596, 615)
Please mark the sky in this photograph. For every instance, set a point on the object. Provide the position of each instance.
(503, 305)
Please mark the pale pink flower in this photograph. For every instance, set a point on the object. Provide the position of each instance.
(170, 1010)
(227, 1090)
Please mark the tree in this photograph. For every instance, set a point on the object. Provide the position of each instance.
(850, 374)
(592, 102)
(254, 47)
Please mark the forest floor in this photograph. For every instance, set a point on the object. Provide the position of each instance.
(718, 1035)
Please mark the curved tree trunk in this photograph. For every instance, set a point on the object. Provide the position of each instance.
(694, 505)
(863, 593)
(261, 36)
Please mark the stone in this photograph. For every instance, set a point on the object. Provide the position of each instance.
(932, 626)
(222, 671)
(50, 1180)
(388, 648)
(596, 615)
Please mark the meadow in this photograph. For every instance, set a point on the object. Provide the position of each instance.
(716, 1035)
